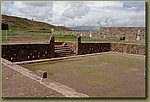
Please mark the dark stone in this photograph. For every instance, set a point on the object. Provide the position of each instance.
(41, 73)
(122, 38)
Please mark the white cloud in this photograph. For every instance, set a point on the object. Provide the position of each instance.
(60, 7)
(99, 4)
(37, 3)
(6, 7)
(81, 13)
(76, 10)
(35, 10)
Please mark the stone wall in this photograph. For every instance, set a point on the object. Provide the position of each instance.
(87, 48)
(24, 52)
(128, 48)
(113, 33)
(130, 33)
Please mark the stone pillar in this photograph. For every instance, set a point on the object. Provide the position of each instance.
(138, 38)
(81, 34)
(90, 35)
(51, 47)
(78, 43)
(51, 39)
(104, 36)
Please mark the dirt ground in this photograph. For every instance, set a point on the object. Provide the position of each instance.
(108, 75)
(26, 39)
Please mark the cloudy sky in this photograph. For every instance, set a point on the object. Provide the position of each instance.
(79, 13)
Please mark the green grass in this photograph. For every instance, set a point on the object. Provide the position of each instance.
(73, 38)
(65, 37)
(9, 33)
(36, 34)
(4, 40)
(86, 39)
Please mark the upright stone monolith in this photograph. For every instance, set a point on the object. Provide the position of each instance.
(78, 43)
(138, 38)
(51, 39)
(51, 47)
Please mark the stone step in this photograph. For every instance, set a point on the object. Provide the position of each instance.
(64, 55)
(62, 47)
(63, 50)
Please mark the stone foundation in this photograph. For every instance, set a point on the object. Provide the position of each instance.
(24, 52)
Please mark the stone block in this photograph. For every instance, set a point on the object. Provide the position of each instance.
(41, 73)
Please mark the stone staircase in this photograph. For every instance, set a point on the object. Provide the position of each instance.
(63, 51)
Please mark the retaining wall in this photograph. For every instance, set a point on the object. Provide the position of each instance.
(87, 48)
(24, 52)
(128, 48)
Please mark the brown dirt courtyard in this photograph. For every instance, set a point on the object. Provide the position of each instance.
(106, 75)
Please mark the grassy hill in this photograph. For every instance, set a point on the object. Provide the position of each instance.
(18, 23)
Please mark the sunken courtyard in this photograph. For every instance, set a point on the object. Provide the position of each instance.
(73, 69)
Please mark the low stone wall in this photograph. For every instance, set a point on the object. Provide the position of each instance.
(128, 48)
(24, 52)
(87, 48)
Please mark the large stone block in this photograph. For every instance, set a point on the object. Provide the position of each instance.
(41, 73)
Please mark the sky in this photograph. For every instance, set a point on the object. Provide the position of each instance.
(79, 13)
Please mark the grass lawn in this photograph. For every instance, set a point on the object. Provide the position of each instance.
(86, 39)
(36, 34)
(9, 33)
